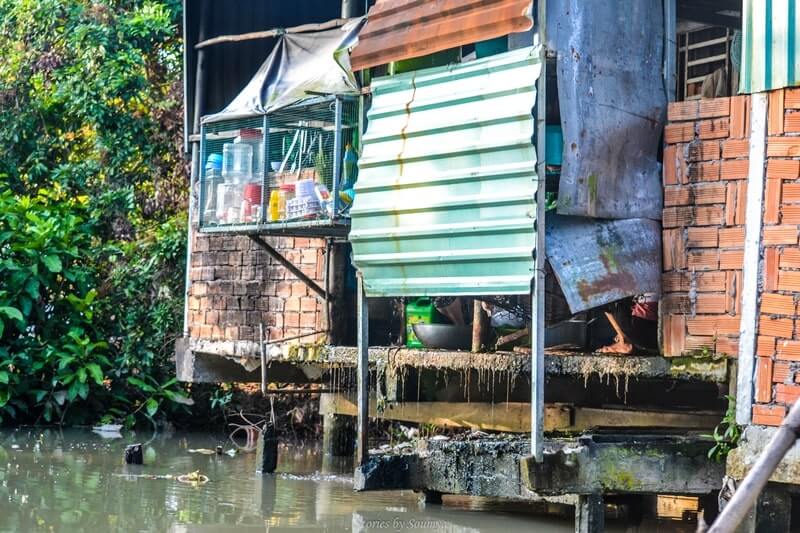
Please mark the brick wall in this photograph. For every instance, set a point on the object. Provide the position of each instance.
(778, 346)
(236, 286)
(705, 171)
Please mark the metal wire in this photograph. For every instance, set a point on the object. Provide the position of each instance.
(288, 145)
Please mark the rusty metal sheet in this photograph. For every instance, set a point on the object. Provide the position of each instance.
(600, 261)
(613, 103)
(402, 29)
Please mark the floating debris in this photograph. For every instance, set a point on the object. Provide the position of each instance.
(195, 478)
(203, 451)
(109, 431)
(146, 476)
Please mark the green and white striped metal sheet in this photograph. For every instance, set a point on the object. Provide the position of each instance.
(770, 46)
(445, 201)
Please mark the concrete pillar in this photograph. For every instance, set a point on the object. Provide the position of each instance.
(590, 514)
(771, 513)
(338, 435)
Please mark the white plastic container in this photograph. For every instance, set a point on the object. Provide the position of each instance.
(305, 189)
(229, 203)
(253, 138)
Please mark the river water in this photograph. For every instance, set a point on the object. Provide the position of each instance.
(75, 480)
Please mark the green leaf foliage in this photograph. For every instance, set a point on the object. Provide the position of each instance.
(92, 203)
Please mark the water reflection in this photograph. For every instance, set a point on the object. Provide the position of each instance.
(76, 481)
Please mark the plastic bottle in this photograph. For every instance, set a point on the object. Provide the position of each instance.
(237, 162)
(254, 139)
(350, 167)
(213, 178)
(274, 206)
(286, 194)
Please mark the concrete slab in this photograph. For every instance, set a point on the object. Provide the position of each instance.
(625, 464)
(500, 467)
(754, 440)
(200, 360)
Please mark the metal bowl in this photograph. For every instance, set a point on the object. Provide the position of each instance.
(444, 336)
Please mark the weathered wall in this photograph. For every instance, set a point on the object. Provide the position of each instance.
(706, 161)
(705, 167)
(236, 286)
(778, 346)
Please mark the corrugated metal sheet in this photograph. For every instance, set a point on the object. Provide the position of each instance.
(402, 29)
(445, 195)
(770, 46)
(601, 261)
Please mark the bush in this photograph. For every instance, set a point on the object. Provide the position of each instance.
(92, 195)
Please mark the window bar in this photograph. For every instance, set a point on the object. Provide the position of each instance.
(201, 222)
(537, 290)
(337, 156)
(362, 325)
(265, 168)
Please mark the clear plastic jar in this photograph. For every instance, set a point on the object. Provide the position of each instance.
(237, 162)
(255, 140)
(286, 193)
(229, 203)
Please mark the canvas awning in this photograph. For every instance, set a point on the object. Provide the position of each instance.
(301, 65)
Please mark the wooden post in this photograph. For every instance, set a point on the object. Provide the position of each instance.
(590, 514)
(338, 431)
(755, 481)
(480, 327)
(363, 373)
(267, 449)
(340, 304)
(134, 455)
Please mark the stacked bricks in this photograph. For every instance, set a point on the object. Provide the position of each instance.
(705, 169)
(236, 286)
(777, 379)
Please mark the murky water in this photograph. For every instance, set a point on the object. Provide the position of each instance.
(75, 480)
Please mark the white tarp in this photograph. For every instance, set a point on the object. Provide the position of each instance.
(302, 65)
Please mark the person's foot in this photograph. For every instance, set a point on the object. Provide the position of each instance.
(619, 347)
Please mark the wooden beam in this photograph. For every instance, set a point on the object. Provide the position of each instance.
(275, 32)
(514, 417)
(318, 291)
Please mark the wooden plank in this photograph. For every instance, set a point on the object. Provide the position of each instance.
(266, 34)
(514, 417)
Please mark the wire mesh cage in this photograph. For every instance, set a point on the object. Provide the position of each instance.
(292, 168)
